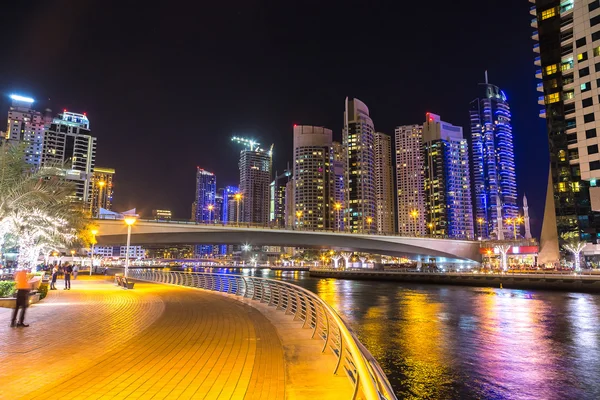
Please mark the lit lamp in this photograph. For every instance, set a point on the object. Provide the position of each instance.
(210, 209)
(298, 216)
(338, 207)
(101, 185)
(430, 225)
(238, 197)
(94, 232)
(129, 221)
(480, 222)
(415, 214)
(369, 221)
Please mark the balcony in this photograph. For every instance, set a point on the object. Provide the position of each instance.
(532, 11)
(541, 100)
(543, 113)
(566, 24)
(536, 47)
(537, 61)
(540, 87)
(566, 7)
(538, 74)
(535, 35)
(534, 23)
(566, 38)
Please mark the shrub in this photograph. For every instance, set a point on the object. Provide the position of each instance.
(43, 290)
(7, 288)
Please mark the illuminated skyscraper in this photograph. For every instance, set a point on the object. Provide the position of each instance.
(384, 184)
(68, 143)
(360, 204)
(313, 175)
(229, 208)
(26, 125)
(277, 198)
(409, 180)
(493, 159)
(255, 179)
(339, 184)
(206, 190)
(448, 204)
(102, 189)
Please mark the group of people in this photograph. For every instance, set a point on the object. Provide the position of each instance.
(68, 270)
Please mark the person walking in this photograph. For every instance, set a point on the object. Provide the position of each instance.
(75, 272)
(54, 276)
(68, 270)
(23, 287)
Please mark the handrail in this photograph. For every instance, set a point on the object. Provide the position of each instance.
(363, 371)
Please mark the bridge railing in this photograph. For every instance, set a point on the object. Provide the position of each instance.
(353, 359)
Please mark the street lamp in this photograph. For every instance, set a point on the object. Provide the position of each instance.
(94, 232)
(238, 197)
(415, 214)
(369, 221)
(480, 222)
(298, 216)
(210, 208)
(430, 225)
(338, 207)
(129, 221)
(518, 220)
(101, 185)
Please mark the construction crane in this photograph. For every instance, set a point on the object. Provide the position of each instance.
(251, 144)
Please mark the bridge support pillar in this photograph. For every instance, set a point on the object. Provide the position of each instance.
(336, 258)
(346, 259)
(363, 262)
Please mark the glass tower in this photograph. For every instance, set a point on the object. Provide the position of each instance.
(493, 160)
(206, 191)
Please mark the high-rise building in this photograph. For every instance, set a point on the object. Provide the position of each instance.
(255, 179)
(568, 46)
(409, 180)
(68, 143)
(493, 161)
(26, 126)
(277, 198)
(206, 190)
(447, 182)
(102, 190)
(384, 184)
(360, 203)
(313, 194)
(339, 184)
(230, 206)
(161, 215)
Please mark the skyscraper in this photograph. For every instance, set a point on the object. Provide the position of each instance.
(339, 185)
(360, 205)
(277, 198)
(567, 35)
(409, 180)
(68, 143)
(447, 183)
(206, 190)
(313, 175)
(102, 189)
(493, 160)
(255, 178)
(229, 209)
(384, 184)
(26, 125)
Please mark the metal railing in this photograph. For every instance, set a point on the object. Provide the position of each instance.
(363, 371)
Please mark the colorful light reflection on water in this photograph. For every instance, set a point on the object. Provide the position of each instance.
(450, 342)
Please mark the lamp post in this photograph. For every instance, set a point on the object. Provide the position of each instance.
(298, 216)
(517, 220)
(129, 221)
(238, 197)
(338, 207)
(101, 185)
(94, 232)
(430, 225)
(415, 214)
(369, 221)
(480, 222)
(210, 209)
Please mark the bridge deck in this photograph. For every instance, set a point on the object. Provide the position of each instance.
(99, 341)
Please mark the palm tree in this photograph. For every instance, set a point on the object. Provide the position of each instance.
(575, 247)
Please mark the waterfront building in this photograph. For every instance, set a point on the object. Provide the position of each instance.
(447, 183)
(384, 184)
(102, 190)
(567, 43)
(68, 143)
(255, 179)
(138, 252)
(493, 161)
(26, 126)
(313, 176)
(409, 180)
(277, 198)
(230, 207)
(339, 184)
(358, 139)
(161, 215)
(206, 190)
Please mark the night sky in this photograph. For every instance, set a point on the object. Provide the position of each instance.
(166, 87)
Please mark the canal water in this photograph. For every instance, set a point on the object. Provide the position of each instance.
(454, 342)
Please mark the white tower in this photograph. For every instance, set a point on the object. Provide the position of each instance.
(526, 217)
(499, 229)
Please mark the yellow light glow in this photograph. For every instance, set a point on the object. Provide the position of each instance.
(509, 220)
(338, 206)
(237, 196)
(130, 221)
(414, 213)
(480, 220)
(101, 184)
(94, 232)
(210, 207)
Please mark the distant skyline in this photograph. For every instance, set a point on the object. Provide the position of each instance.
(166, 90)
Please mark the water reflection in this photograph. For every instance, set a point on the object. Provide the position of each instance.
(451, 342)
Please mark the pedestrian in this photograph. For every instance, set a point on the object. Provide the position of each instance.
(23, 287)
(54, 276)
(68, 270)
(75, 271)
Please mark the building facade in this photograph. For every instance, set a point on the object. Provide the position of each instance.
(68, 143)
(447, 183)
(313, 176)
(384, 184)
(277, 198)
(255, 179)
(493, 162)
(162, 215)
(26, 126)
(102, 190)
(339, 185)
(206, 190)
(358, 139)
(409, 180)
(567, 36)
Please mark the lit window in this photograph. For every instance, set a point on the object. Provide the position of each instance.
(551, 12)
(551, 69)
(566, 65)
(569, 95)
(552, 98)
(562, 187)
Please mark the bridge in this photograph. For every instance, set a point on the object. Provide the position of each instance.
(149, 232)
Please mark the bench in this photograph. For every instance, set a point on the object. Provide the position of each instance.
(120, 280)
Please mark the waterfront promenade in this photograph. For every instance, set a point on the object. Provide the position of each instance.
(159, 341)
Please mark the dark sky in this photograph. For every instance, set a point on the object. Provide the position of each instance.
(166, 87)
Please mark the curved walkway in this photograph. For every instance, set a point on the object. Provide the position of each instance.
(157, 341)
